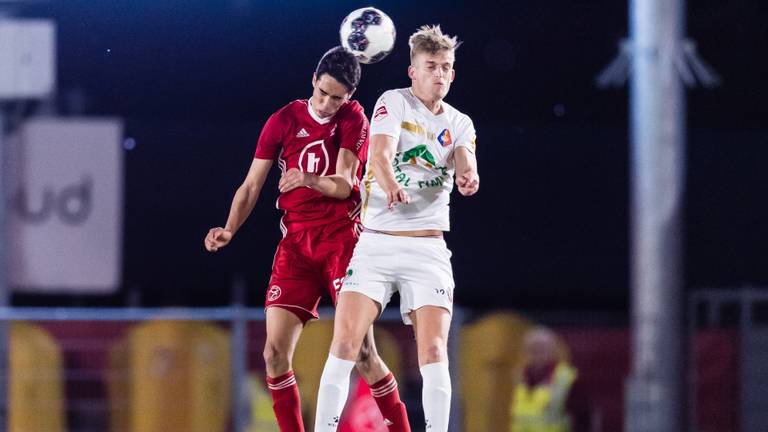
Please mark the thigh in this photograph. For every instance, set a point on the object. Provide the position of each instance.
(355, 313)
(431, 325)
(370, 271)
(283, 330)
(336, 254)
(295, 284)
(426, 276)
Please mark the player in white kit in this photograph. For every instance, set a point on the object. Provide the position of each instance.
(419, 144)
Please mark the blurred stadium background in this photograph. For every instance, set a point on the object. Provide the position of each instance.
(128, 124)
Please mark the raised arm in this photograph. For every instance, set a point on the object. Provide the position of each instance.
(467, 178)
(381, 155)
(242, 205)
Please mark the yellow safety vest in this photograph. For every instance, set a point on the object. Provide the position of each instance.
(542, 408)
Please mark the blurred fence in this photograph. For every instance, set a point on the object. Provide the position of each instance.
(162, 370)
(743, 313)
(186, 370)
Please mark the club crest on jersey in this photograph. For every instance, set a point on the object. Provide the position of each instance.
(274, 293)
(380, 113)
(444, 138)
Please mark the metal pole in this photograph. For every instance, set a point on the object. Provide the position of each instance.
(240, 397)
(655, 390)
(5, 346)
(5, 376)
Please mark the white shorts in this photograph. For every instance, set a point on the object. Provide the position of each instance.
(418, 267)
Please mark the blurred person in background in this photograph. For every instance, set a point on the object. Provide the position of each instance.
(546, 397)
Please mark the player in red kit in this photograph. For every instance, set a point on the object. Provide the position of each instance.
(320, 145)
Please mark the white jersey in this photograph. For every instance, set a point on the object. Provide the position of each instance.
(423, 163)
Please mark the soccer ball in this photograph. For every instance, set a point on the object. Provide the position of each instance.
(368, 33)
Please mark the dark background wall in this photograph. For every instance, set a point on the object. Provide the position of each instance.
(194, 81)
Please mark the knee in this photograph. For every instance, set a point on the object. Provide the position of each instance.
(345, 349)
(274, 358)
(435, 352)
(367, 360)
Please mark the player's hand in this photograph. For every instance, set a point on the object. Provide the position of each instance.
(398, 195)
(294, 178)
(217, 238)
(468, 183)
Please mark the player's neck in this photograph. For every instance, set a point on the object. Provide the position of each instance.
(435, 106)
(315, 115)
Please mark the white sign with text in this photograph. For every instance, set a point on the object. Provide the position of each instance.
(65, 206)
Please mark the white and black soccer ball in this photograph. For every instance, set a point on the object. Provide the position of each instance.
(368, 33)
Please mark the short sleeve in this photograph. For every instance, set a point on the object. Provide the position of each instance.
(354, 132)
(388, 115)
(271, 138)
(467, 137)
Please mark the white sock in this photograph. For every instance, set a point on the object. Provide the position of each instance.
(333, 392)
(436, 396)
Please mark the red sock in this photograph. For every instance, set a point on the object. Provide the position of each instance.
(286, 402)
(392, 409)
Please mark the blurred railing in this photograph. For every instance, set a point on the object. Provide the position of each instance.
(88, 341)
(745, 310)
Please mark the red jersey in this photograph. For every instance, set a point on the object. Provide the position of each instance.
(298, 138)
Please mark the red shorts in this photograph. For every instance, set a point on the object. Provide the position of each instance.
(309, 264)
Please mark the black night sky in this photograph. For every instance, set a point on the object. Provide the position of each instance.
(195, 80)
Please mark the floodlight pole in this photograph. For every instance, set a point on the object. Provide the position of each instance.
(5, 345)
(655, 387)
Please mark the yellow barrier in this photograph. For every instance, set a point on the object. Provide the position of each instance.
(491, 350)
(179, 378)
(36, 393)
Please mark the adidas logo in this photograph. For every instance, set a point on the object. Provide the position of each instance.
(302, 133)
(387, 422)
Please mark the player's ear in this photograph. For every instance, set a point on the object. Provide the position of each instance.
(314, 79)
(453, 74)
(411, 71)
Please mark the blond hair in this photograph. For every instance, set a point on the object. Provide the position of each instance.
(431, 40)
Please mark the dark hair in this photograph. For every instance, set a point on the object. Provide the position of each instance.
(342, 65)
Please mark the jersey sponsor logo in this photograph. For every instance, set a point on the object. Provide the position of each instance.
(302, 133)
(444, 138)
(314, 158)
(419, 155)
(381, 112)
(419, 152)
(274, 293)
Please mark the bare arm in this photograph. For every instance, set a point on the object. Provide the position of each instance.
(381, 155)
(466, 171)
(338, 185)
(242, 205)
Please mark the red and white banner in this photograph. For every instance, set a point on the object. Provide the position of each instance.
(65, 206)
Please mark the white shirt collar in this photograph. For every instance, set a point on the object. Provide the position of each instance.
(314, 116)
